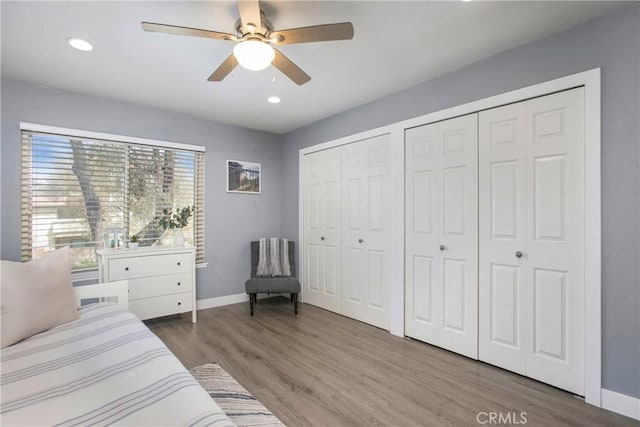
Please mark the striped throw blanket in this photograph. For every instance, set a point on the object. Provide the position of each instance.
(273, 257)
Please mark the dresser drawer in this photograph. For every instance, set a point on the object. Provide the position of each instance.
(146, 287)
(165, 305)
(152, 265)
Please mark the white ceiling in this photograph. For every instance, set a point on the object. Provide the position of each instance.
(396, 45)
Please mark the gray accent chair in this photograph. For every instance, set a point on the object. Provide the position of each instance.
(272, 285)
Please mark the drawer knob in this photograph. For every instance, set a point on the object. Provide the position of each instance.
(179, 303)
(126, 269)
(178, 263)
(178, 283)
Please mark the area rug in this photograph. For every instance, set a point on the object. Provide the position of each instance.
(233, 399)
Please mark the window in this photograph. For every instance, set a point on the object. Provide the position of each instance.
(91, 191)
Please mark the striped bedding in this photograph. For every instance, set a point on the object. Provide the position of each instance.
(105, 368)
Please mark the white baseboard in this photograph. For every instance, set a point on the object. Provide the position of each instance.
(621, 403)
(203, 304)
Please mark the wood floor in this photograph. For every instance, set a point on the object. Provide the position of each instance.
(322, 369)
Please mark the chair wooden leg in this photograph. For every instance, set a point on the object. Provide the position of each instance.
(252, 298)
(295, 303)
(292, 297)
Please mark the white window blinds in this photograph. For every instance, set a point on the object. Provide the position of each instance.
(94, 193)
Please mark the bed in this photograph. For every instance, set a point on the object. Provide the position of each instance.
(105, 368)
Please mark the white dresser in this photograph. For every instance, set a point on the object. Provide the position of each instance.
(161, 279)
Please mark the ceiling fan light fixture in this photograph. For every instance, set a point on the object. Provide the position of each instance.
(254, 55)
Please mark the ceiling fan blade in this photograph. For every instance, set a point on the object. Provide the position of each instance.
(186, 31)
(224, 69)
(250, 13)
(316, 33)
(289, 69)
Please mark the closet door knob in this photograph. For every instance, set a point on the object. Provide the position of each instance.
(322, 238)
(360, 240)
(442, 247)
(126, 269)
(519, 254)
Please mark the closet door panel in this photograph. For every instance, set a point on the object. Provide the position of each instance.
(354, 215)
(502, 275)
(422, 234)
(375, 264)
(459, 234)
(331, 230)
(313, 211)
(331, 279)
(365, 212)
(454, 295)
(314, 267)
(441, 234)
(421, 312)
(331, 227)
(322, 191)
(354, 267)
(555, 247)
(453, 192)
(504, 312)
(505, 197)
(312, 250)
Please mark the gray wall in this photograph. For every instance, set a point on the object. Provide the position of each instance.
(612, 43)
(232, 220)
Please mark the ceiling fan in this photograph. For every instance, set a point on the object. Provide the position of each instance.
(255, 39)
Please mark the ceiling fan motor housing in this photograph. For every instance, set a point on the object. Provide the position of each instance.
(262, 31)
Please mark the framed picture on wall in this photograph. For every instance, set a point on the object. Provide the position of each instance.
(243, 177)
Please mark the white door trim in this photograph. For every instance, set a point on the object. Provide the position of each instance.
(593, 305)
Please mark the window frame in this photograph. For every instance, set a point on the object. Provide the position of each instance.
(199, 176)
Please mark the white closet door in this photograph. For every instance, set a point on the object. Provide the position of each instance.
(365, 232)
(422, 234)
(502, 281)
(460, 235)
(555, 248)
(441, 257)
(532, 239)
(322, 188)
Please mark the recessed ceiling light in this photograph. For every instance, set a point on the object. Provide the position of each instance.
(80, 44)
(273, 99)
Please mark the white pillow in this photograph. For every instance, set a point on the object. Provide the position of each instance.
(36, 296)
